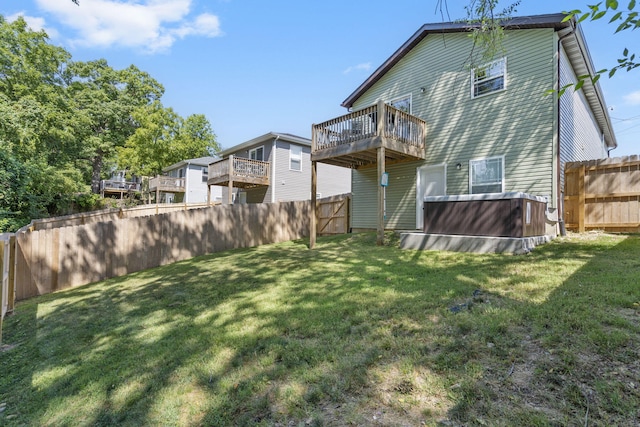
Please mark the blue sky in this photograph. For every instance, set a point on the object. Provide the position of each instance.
(255, 66)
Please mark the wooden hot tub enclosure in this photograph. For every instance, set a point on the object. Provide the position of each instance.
(495, 215)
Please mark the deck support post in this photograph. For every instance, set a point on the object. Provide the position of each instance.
(381, 169)
(230, 195)
(314, 202)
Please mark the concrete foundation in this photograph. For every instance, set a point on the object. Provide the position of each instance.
(480, 244)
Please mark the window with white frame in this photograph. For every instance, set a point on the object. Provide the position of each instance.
(257, 153)
(205, 174)
(486, 175)
(489, 78)
(295, 157)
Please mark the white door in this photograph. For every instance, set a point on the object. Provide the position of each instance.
(431, 181)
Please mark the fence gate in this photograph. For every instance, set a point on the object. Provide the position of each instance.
(333, 215)
(603, 194)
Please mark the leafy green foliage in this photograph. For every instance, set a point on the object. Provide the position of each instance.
(487, 31)
(62, 124)
(624, 19)
(163, 138)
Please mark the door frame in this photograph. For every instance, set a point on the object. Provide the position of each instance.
(419, 198)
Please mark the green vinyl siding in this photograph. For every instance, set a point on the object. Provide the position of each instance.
(401, 197)
(518, 122)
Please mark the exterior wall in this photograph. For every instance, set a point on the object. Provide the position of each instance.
(332, 180)
(289, 184)
(518, 122)
(401, 197)
(580, 136)
(195, 188)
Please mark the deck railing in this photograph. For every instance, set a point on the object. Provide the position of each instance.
(364, 124)
(167, 183)
(115, 185)
(239, 167)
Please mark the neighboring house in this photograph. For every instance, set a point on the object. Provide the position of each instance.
(439, 127)
(274, 167)
(185, 182)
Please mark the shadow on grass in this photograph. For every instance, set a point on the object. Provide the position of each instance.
(346, 333)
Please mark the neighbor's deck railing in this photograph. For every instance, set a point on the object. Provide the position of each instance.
(239, 167)
(167, 183)
(363, 124)
(109, 184)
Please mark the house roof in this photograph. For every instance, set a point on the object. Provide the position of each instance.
(264, 138)
(570, 35)
(199, 161)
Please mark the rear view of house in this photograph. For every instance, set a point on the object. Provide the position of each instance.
(437, 123)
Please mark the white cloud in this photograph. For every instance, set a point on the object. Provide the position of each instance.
(35, 23)
(633, 98)
(366, 66)
(148, 25)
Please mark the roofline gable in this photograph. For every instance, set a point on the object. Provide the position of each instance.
(294, 139)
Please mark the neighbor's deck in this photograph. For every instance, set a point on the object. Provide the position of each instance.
(241, 173)
(167, 184)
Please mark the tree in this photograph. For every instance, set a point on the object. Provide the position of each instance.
(625, 20)
(34, 123)
(163, 138)
(13, 191)
(105, 101)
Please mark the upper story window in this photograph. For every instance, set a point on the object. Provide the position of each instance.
(295, 158)
(257, 154)
(489, 78)
(486, 175)
(205, 174)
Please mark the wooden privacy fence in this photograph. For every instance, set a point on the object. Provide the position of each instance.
(51, 259)
(603, 194)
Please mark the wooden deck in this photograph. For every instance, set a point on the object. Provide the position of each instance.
(238, 172)
(118, 188)
(167, 184)
(352, 140)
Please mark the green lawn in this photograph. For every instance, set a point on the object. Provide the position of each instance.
(346, 334)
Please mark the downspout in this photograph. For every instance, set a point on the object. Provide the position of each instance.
(186, 183)
(562, 229)
(273, 169)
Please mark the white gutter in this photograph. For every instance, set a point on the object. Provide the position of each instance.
(273, 169)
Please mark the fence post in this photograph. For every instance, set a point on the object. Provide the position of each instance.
(581, 198)
(314, 205)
